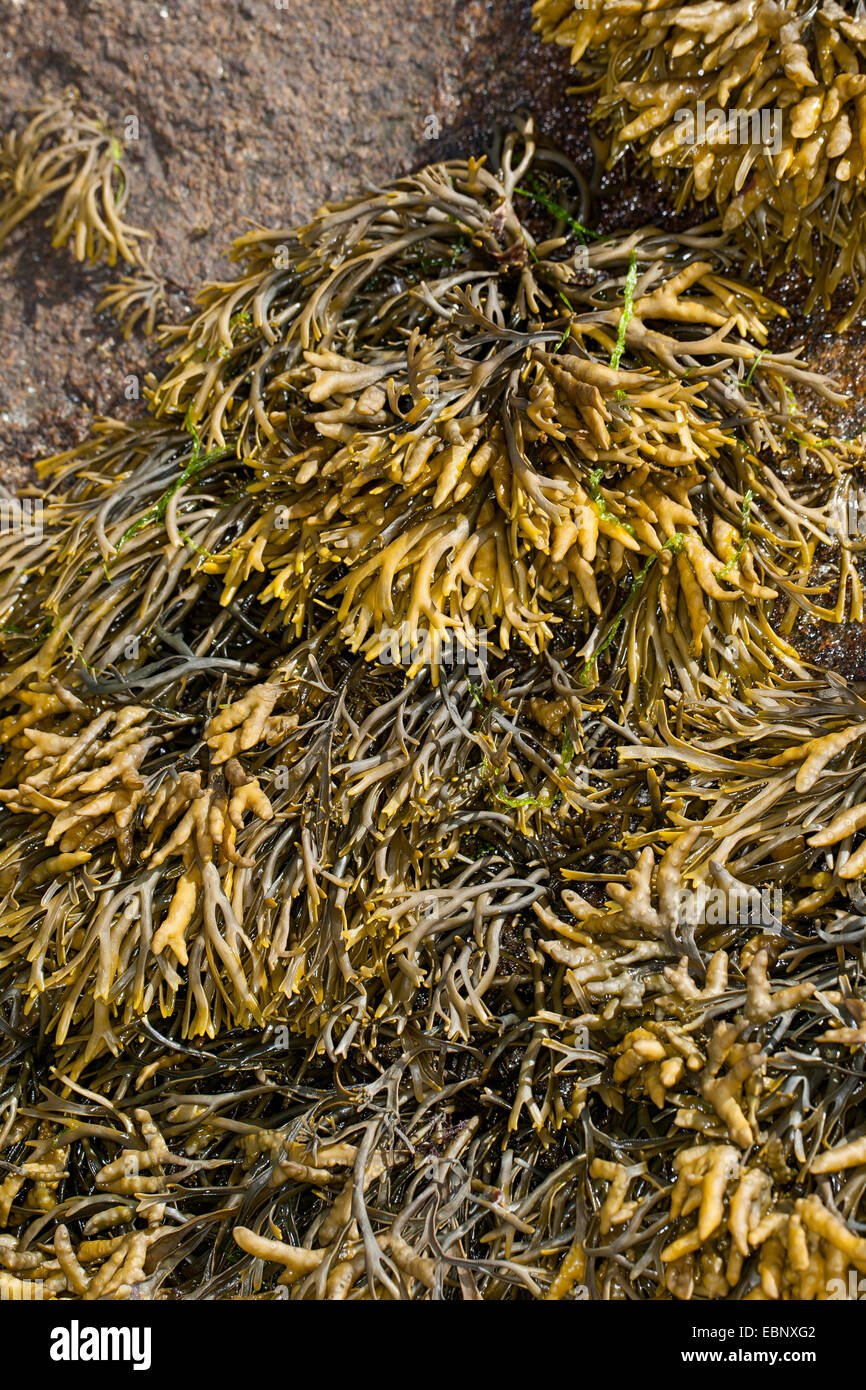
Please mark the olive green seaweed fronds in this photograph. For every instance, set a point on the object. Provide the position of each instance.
(67, 155)
(759, 105)
(429, 867)
(67, 159)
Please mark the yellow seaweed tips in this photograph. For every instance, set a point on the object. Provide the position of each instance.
(759, 107)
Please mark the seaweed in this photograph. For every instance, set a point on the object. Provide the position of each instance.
(429, 869)
(755, 108)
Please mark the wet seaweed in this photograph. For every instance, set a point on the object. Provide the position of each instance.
(430, 870)
(757, 107)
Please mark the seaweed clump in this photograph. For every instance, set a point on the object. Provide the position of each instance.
(758, 106)
(66, 156)
(402, 740)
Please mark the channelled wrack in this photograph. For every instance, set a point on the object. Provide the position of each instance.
(405, 733)
(759, 105)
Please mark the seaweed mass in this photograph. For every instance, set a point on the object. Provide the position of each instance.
(758, 106)
(429, 867)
